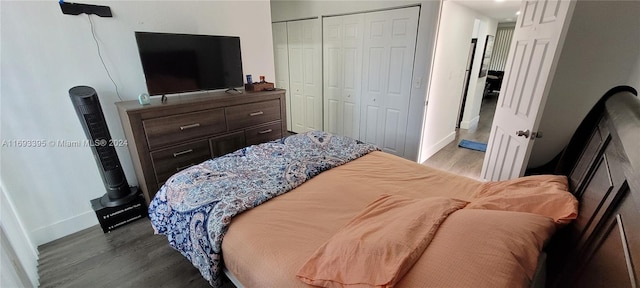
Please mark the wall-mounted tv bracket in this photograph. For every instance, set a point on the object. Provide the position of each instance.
(77, 9)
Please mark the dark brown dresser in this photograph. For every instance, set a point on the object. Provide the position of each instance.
(188, 129)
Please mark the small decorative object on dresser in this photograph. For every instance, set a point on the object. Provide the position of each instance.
(258, 86)
(166, 138)
(144, 99)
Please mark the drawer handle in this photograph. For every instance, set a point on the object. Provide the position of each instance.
(182, 152)
(256, 113)
(184, 167)
(265, 131)
(194, 125)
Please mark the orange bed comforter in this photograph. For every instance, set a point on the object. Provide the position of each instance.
(491, 243)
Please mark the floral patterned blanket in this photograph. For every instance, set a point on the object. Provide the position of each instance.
(195, 206)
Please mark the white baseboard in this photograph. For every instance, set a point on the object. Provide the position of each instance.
(64, 227)
(471, 124)
(24, 248)
(427, 153)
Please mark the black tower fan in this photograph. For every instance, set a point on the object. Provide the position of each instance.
(85, 101)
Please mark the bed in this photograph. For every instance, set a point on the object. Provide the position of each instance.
(273, 216)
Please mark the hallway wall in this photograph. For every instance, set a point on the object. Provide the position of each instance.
(452, 48)
(471, 116)
(597, 56)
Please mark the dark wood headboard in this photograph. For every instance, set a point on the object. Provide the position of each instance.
(602, 161)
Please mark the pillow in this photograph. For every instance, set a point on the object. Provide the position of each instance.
(545, 195)
(377, 247)
(539, 182)
(482, 248)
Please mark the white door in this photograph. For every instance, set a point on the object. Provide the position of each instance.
(388, 51)
(342, 45)
(305, 74)
(281, 59)
(533, 56)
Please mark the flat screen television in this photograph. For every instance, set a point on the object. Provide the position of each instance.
(177, 63)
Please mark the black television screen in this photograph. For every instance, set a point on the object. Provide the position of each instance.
(176, 63)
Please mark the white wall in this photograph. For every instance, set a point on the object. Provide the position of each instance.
(291, 10)
(600, 52)
(471, 116)
(44, 53)
(24, 250)
(454, 38)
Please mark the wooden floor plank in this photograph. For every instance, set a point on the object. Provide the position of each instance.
(131, 256)
(463, 161)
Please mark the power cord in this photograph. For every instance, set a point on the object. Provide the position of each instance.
(93, 33)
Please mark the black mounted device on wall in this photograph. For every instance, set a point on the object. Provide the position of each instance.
(77, 9)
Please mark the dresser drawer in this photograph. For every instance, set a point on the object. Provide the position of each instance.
(264, 133)
(226, 144)
(246, 115)
(164, 131)
(167, 162)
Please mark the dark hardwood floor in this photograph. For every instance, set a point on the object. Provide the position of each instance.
(463, 161)
(130, 256)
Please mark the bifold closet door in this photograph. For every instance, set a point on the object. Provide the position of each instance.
(387, 70)
(342, 46)
(281, 59)
(305, 74)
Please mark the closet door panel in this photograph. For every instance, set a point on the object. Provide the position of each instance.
(353, 32)
(370, 124)
(342, 46)
(374, 74)
(296, 80)
(332, 116)
(403, 37)
(281, 58)
(332, 90)
(312, 64)
(392, 127)
(332, 47)
(389, 48)
(351, 120)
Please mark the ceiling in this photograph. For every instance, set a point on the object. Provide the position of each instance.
(500, 10)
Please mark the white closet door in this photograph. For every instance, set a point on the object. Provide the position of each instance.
(342, 44)
(312, 44)
(281, 58)
(389, 48)
(305, 75)
(332, 69)
(294, 33)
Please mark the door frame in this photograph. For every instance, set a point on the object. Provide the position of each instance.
(465, 89)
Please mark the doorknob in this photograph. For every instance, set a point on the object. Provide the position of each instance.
(524, 133)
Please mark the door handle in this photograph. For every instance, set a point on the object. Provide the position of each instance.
(524, 133)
